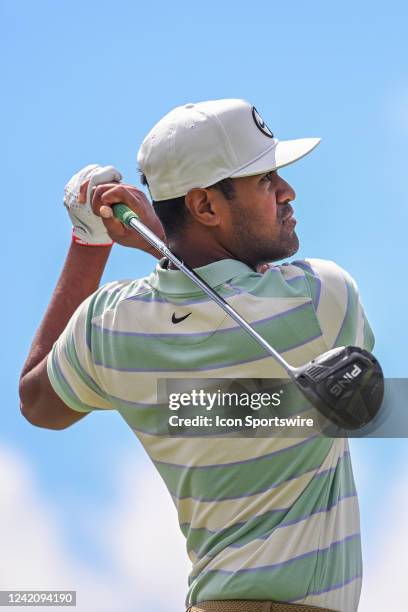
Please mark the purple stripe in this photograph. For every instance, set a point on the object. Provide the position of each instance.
(202, 299)
(294, 522)
(152, 300)
(82, 372)
(257, 492)
(294, 278)
(240, 524)
(242, 462)
(61, 375)
(346, 314)
(130, 403)
(282, 563)
(307, 266)
(270, 488)
(208, 367)
(334, 587)
(238, 290)
(289, 280)
(297, 520)
(328, 508)
(306, 516)
(238, 545)
(112, 332)
(267, 514)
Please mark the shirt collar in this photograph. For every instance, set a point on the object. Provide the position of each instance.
(216, 273)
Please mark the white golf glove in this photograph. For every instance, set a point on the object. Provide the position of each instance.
(88, 228)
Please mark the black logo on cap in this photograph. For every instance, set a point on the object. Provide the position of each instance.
(260, 123)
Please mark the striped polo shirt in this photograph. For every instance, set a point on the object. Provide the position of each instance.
(264, 518)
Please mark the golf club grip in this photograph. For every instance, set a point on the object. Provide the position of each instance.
(123, 213)
(131, 219)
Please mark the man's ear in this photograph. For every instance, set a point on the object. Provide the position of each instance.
(204, 206)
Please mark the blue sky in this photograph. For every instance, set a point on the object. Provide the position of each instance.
(83, 82)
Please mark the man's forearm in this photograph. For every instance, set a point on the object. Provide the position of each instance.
(79, 278)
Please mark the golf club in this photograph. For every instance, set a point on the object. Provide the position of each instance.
(345, 384)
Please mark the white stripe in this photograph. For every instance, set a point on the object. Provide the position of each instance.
(333, 298)
(221, 514)
(342, 599)
(316, 532)
(81, 390)
(198, 452)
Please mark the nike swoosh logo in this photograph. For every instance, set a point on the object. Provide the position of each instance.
(175, 319)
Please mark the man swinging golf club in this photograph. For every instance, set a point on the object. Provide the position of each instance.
(271, 524)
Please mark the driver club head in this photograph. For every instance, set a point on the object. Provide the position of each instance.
(345, 384)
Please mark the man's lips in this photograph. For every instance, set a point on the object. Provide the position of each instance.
(289, 219)
(289, 215)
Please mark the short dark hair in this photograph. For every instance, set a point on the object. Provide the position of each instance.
(174, 214)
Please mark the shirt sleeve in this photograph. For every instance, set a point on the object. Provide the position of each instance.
(336, 299)
(71, 369)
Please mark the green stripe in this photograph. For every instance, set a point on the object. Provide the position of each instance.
(73, 360)
(347, 333)
(323, 493)
(369, 339)
(61, 387)
(151, 353)
(293, 580)
(313, 282)
(244, 479)
(273, 284)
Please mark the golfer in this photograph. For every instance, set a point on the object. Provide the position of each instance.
(272, 523)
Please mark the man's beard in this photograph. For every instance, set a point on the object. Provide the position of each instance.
(253, 247)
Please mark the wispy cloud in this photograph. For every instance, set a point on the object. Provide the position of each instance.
(142, 541)
(385, 586)
(145, 540)
(140, 533)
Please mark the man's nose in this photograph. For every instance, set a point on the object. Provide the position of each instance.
(285, 192)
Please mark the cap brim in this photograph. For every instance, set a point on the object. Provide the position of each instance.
(284, 153)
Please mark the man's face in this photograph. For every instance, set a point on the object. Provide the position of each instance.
(261, 224)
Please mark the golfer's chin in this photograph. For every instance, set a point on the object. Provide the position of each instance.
(286, 250)
(293, 245)
(288, 246)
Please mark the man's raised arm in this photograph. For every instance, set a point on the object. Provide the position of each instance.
(80, 278)
(39, 403)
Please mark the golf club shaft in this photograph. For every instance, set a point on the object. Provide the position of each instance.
(129, 218)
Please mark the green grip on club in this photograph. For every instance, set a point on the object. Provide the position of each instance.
(123, 213)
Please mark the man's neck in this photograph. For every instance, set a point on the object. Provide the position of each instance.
(196, 257)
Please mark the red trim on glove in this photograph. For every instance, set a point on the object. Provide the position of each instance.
(89, 244)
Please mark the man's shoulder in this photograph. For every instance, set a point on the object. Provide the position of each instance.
(321, 271)
(314, 265)
(312, 270)
(112, 293)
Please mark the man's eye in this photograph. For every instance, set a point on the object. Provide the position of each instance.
(267, 177)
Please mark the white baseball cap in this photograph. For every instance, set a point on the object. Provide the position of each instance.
(197, 145)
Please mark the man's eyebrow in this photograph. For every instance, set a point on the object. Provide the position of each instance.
(261, 176)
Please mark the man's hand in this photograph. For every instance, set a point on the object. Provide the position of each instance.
(88, 229)
(104, 196)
